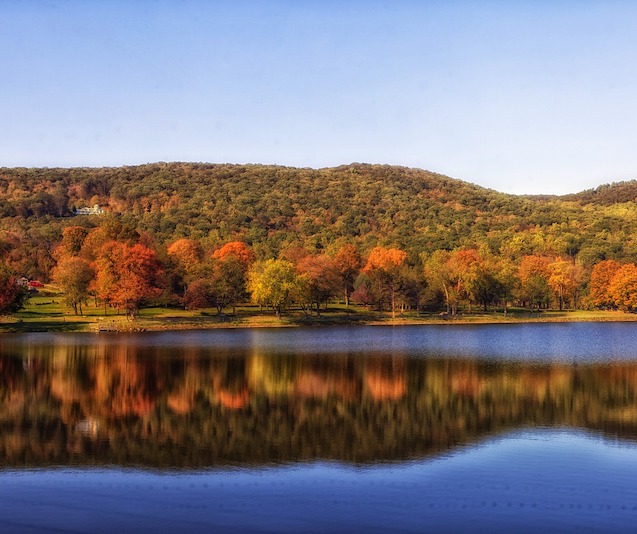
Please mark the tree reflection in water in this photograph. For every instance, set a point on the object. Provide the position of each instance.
(128, 405)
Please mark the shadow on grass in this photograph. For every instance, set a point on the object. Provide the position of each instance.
(203, 319)
(44, 326)
(31, 314)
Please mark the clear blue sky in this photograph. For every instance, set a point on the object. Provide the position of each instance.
(523, 97)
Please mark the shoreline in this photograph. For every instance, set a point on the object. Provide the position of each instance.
(167, 322)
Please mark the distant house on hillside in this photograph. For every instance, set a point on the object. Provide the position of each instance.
(95, 210)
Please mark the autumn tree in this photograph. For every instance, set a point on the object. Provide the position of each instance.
(564, 278)
(238, 250)
(385, 264)
(439, 276)
(74, 276)
(12, 296)
(348, 264)
(623, 287)
(186, 253)
(534, 275)
(601, 277)
(322, 277)
(127, 275)
(506, 275)
(73, 238)
(485, 287)
(452, 273)
(469, 274)
(223, 286)
(275, 283)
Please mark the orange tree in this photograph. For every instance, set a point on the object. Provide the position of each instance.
(348, 264)
(601, 277)
(623, 287)
(127, 275)
(384, 264)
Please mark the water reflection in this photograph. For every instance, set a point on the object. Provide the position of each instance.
(127, 404)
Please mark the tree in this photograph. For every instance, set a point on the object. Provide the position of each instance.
(186, 252)
(322, 278)
(127, 275)
(563, 279)
(238, 250)
(623, 287)
(453, 273)
(73, 238)
(198, 295)
(348, 264)
(468, 272)
(275, 283)
(534, 279)
(438, 275)
(601, 277)
(227, 282)
(12, 296)
(385, 263)
(74, 276)
(508, 280)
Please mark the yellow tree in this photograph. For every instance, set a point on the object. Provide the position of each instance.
(534, 279)
(564, 278)
(275, 283)
(466, 268)
(455, 274)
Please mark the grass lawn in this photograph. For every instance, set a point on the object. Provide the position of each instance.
(46, 312)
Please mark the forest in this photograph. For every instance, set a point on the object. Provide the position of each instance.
(201, 236)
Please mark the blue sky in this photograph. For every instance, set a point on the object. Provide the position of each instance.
(522, 97)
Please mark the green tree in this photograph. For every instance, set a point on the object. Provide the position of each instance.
(74, 276)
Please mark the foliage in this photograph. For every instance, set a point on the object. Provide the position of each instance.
(275, 283)
(74, 276)
(601, 277)
(12, 296)
(127, 275)
(472, 245)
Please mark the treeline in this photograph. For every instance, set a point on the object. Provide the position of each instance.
(123, 269)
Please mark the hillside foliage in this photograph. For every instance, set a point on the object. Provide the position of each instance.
(458, 242)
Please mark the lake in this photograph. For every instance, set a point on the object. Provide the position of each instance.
(413, 428)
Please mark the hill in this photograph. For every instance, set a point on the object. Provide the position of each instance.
(273, 208)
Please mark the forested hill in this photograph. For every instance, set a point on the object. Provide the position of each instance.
(607, 194)
(273, 208)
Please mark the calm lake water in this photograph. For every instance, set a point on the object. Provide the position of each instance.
(423, 428)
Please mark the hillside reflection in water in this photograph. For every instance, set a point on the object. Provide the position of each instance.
(130, 404)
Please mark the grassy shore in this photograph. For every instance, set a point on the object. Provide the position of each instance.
(46, 312)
